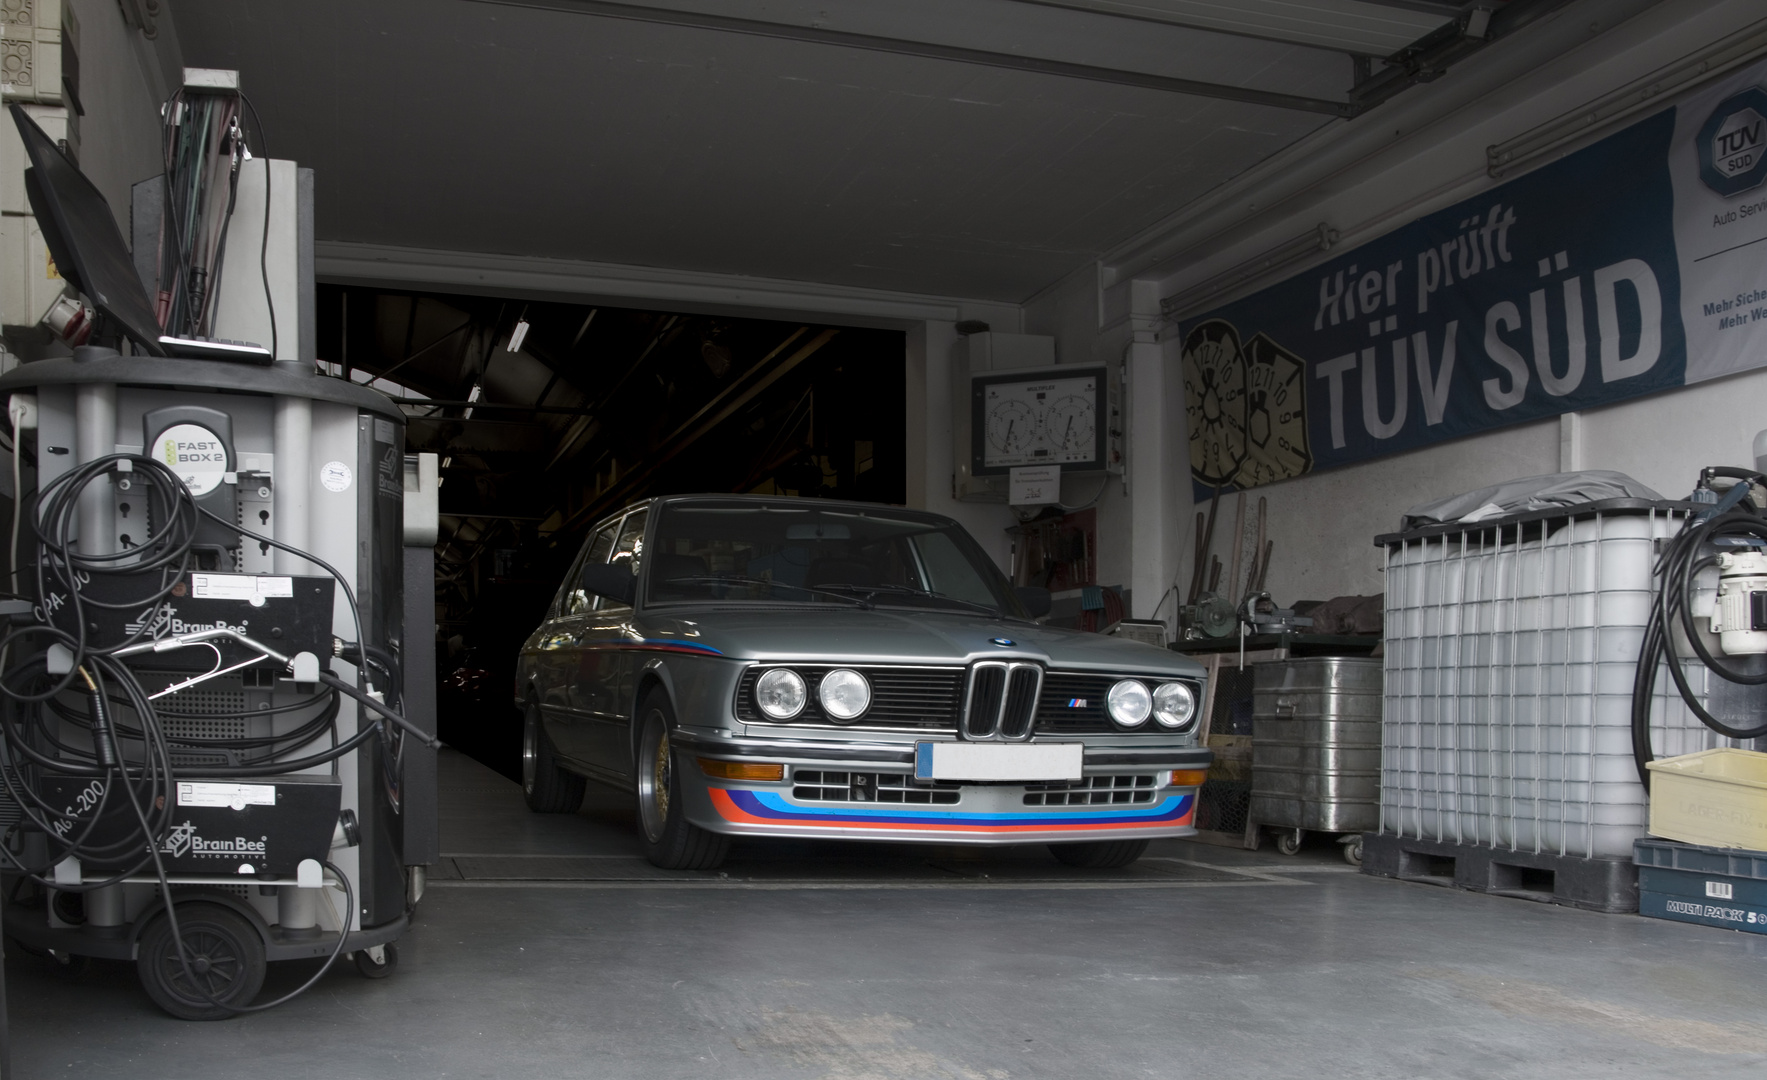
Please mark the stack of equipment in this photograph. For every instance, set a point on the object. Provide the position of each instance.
(201, 729)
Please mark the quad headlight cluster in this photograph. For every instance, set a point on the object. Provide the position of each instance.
(1170, 704)
(782, 693)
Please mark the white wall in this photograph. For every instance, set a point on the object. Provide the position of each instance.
(1323, 524)
(931, 347)
(121, 80)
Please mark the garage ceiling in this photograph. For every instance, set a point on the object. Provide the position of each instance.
(655, 135)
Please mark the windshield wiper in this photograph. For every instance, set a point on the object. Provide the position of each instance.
(714, 579)
(909, 590)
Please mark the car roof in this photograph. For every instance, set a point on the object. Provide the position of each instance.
(806, 503)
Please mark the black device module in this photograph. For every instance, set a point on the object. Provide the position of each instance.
(261, 826)
(288, 614)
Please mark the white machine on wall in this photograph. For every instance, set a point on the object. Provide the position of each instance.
(1018, 415)
(213, 661)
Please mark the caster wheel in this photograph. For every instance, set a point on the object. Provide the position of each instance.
(69, 965)
(1289, 842)
(377, 969)
(225, 955)
(1353, 852)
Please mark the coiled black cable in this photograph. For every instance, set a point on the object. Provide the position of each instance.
(1689, 552)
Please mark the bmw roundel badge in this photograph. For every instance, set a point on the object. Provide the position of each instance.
(1004, 642)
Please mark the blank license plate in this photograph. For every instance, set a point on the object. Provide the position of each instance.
(998, 761)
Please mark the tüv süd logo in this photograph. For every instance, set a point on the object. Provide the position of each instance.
(1732, 143)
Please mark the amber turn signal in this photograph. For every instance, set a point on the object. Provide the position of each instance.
(741, 770)
(1189, 777)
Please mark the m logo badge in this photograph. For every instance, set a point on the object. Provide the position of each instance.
(1732, 143)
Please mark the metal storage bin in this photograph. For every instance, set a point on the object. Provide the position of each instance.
(1316, 746)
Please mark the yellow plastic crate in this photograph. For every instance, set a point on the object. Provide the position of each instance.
(1717, 798)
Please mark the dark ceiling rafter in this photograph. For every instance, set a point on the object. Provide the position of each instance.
(1425, 7)
(847, 39)
(1473, 27)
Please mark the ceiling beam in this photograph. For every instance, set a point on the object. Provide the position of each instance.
(1357, 34)
(847, 39)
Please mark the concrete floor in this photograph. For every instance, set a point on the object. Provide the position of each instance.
(548, 948)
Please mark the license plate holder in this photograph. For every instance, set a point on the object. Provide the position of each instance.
(1000, 761)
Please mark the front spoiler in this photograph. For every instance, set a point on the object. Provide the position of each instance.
(986, 813)
(748, 812)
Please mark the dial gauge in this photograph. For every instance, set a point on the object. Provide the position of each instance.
(1012, 426)
(1069, 423)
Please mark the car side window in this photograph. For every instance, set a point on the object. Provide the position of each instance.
(628, 550)
(579, 600)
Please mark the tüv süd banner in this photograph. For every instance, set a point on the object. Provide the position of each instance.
(1635, 265)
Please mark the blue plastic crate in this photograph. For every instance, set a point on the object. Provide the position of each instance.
(1709, 886)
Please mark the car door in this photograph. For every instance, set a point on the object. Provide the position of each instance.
(608, 670)
(561, 664)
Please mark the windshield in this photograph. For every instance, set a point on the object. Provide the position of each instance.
(790, 553)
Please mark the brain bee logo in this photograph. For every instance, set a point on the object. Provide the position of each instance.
(1732, 143)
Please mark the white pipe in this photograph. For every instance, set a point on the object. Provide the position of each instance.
(293, 482)
(95, 436)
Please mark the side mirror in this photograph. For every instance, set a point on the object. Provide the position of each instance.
(1036, 600)
(612, 580)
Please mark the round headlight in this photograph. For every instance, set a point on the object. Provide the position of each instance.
(844, 694)
(1129, 703)
(1173, 704)
(780, 693)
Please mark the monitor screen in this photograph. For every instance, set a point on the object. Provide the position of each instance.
(83, 237)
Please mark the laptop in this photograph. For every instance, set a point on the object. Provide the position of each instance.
(89, 252)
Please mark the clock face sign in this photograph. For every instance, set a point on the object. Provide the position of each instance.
(1041, 421)
(1276, 420)
(1247, 407)
(1215, 401)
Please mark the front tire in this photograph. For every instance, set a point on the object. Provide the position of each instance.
(548, 788)
(1099, 854)
(670, 840)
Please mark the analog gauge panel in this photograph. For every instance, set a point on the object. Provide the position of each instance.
(1012, 427)
(1048, 417)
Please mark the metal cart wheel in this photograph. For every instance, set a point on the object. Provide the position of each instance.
(1353, 851)
(225, 954)
(372, 968)
(1289, 841)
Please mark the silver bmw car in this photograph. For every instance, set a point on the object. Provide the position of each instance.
(778, 667)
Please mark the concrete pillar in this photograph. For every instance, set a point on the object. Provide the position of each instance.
(930, 452)
(1159, 493)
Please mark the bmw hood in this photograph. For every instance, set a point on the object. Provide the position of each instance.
(899, 636)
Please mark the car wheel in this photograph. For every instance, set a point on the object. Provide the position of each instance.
(1099, 854)
(670, 840)
(549, 789)
(225, 954)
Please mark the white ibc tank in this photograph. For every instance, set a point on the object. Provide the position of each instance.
(1510, 653)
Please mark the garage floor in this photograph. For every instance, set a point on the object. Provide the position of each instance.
(548, 948)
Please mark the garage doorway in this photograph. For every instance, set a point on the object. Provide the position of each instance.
(547, 416)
